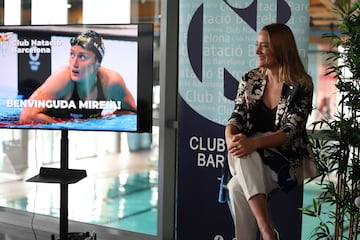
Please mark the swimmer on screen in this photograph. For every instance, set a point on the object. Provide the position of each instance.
(83, 80)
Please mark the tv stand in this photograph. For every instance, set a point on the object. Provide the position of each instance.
(63, 176)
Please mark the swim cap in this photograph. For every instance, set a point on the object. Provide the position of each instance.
(92, 41)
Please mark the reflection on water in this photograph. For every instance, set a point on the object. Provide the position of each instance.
(127, 201)
(126, 122)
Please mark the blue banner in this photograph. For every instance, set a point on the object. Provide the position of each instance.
(216, 47)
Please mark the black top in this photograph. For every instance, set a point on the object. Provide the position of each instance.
(80, 113)
(264, 118)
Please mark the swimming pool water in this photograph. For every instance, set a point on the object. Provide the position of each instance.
(127, 202)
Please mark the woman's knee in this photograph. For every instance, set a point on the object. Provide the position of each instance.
(234, 187)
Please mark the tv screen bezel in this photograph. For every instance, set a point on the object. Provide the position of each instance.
(144, 38)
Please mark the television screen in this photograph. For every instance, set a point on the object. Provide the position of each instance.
(77, 77)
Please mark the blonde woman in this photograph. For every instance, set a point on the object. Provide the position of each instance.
(266, 132)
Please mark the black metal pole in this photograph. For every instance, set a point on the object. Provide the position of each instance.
(64, 166)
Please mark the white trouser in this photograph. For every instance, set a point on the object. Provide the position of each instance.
(250, 177)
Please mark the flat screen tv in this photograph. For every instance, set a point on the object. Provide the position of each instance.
(77, 77)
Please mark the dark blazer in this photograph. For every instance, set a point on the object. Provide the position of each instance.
(292, 114)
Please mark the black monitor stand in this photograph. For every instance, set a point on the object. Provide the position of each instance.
(63, 176)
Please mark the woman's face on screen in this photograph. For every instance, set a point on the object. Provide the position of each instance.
(83, 63)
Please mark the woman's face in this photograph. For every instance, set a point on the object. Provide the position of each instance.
(264, 52)
(83, 63)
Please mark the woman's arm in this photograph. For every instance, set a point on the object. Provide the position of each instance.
(115, 89)
(250, 90)
(54, 87)
(240, 145)
(293, 123)
(268, 140)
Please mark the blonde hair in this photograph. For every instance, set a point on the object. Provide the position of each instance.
(283, 45)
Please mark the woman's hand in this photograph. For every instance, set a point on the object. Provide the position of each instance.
(241, 145)
(31, 116)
